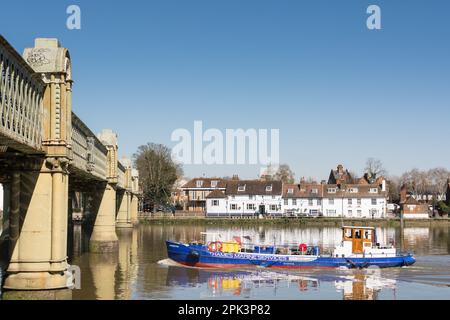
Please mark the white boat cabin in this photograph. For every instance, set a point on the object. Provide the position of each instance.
(361, 242)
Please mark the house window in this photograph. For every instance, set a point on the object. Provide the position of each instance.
(353, 190)
(232, 197)
(310, 202)
(269, 188)
(215, 203)
(241, 188)
(213, 184)
(350, 202)
(290, 191)
(319, 202)
(359, 213)
(286, 202)
(294, 202)
(250, 197)
(314, 191)
(359, 202)
(233, 206)
(199, 183)
(374, 202)
(273, 207)
(331, 212)
(331, 201)
(350, 213)
(251, 206)
(373, 190)
(331, 190)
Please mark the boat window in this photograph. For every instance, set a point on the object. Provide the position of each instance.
(348, 233)
(357, 234)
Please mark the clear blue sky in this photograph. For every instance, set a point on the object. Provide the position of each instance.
(338, 92)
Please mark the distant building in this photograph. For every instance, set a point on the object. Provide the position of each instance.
(247, 198)
(365, 199)
(336, 200)
(340, 176)
(303, 198)
(198, 189)
(355, 200)
(413, 209)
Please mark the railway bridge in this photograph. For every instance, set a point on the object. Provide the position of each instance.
(48, 158)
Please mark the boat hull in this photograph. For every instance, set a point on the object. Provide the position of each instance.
(198, 256)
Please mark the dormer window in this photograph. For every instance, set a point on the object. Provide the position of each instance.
(214, 184)
(373, 190)
(331, 190)
(314, 191)
(269, 188)
(290, 191)
(353, 190)
(199, 183)
(241, 188)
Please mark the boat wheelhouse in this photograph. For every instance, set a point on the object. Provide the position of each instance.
(361, 242)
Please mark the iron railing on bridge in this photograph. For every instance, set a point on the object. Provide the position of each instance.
(21, 95)
(89, 154)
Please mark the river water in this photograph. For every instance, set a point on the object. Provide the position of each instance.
(140, 269)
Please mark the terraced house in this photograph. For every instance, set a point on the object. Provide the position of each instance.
(247, 198)
(341, 196)
(198, 189)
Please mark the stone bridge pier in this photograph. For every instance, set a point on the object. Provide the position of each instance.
(38, 197)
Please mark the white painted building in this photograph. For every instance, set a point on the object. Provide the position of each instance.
(365, 199)
(329, 200)
(246, 198)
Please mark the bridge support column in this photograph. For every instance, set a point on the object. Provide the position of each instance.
(124, 214)
(104, 238)
(38, 228)
(134, 210)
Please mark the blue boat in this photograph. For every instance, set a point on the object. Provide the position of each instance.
(359, 249)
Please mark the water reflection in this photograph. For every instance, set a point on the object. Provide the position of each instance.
(353, 284)
(134, 272)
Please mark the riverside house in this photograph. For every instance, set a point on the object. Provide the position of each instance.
(197, 190)
(366, 198)
(246, 198)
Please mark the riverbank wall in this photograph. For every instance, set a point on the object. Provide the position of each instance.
(173, 220)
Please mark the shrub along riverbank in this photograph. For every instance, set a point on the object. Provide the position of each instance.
(297, 222)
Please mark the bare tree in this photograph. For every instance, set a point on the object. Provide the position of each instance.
(284, 174)
(438, 178)
(394, 185)
(374, 167)
(426, 183)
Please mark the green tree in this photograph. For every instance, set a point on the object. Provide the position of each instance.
(443, 207)
(157, 172)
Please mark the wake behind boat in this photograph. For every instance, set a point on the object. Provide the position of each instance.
(358, 249)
